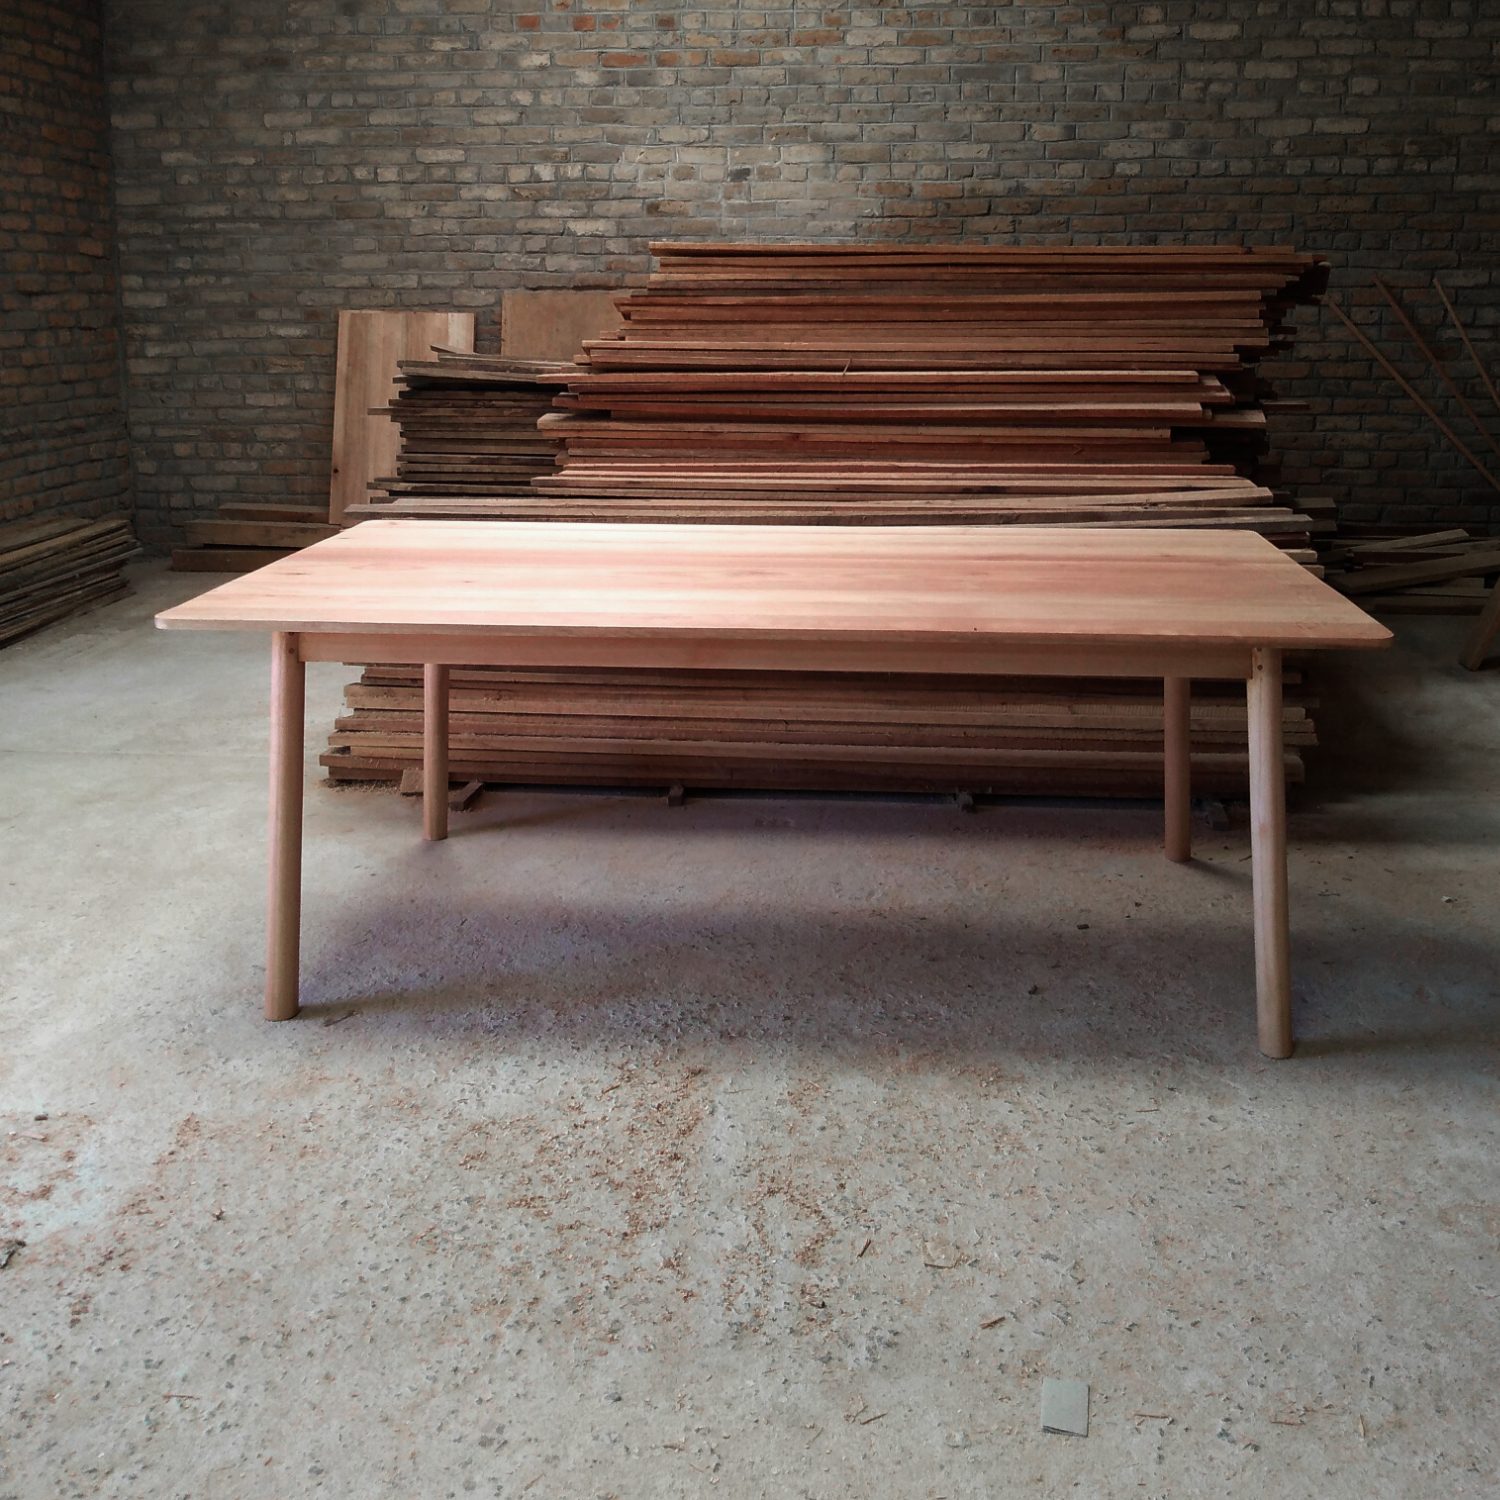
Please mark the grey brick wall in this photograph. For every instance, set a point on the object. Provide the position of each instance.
(279, 160)
(62, 413)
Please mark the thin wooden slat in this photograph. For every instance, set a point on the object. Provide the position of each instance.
(1459, 327)
(1414, 395)
(1439, 369)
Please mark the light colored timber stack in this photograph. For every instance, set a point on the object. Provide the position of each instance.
(50, 569)
(852, 385)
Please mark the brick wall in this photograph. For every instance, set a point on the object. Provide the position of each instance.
(63, 446)
(279, 159)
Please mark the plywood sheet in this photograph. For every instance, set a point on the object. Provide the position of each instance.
(554, 324)
(370, 344)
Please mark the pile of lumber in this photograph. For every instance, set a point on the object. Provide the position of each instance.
(54, 568)
(1425, 573)
(468, 426)
(1098, 386)
(800, 731)
(1395, 572)
(241, 538)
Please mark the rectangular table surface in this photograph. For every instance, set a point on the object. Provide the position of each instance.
(1009, 585)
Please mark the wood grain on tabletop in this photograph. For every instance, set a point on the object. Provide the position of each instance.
(1017, 583)
(370, 344)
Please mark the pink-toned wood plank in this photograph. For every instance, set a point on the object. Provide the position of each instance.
(370, 344)
(929, 586)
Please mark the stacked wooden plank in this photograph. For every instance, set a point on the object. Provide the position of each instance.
(553, 323)
(1427, 573)
(872, 385)
(799, 731)
(1086, 386)
(468, 427)
(50, 569)
(243, 537)
(371, 345)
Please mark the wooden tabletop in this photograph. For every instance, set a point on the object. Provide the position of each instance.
(924, 584)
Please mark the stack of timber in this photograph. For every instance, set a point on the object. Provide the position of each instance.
(469, 435)
(372, 343)
(800, 731)
(1415, 573)
(54, 568)
(879, 386)
(241, 538)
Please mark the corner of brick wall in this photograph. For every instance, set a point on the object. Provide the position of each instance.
(63, 440)
(289, 161)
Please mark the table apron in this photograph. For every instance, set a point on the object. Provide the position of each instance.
(1053, 659)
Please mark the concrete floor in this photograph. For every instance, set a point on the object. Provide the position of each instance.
(765, 1147)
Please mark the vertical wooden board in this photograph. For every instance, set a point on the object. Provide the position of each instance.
(554, 324)
(370, 345)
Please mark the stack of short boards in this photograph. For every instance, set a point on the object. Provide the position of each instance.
(470, 438)
(871, 385)
(53, 568)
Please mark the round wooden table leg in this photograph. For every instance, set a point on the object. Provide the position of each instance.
(1273, 975)
(434, 752)
(1177, 777)
(284, 904)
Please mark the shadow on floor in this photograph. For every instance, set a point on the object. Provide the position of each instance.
(1123, 986)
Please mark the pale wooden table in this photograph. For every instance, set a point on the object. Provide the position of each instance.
(1011, 600)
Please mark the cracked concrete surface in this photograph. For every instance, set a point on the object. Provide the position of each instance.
(763, 1147)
